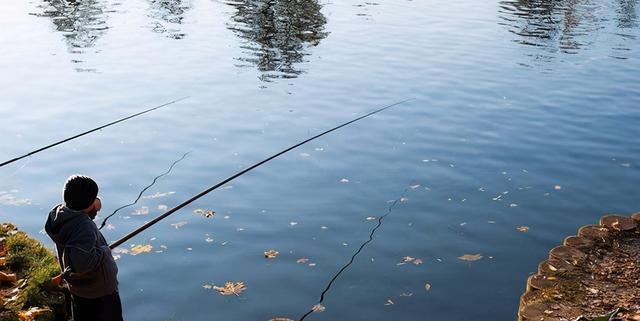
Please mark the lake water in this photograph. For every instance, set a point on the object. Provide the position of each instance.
(525, 114)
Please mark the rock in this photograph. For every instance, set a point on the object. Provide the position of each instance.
(590, 274)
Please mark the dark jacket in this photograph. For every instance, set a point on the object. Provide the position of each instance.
(83, 253)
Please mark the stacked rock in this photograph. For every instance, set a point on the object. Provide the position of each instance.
(593, 273)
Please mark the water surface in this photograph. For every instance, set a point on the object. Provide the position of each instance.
(525, 114)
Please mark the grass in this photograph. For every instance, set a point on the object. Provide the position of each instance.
(34, 266)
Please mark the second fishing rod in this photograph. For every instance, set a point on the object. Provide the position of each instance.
(240, 173)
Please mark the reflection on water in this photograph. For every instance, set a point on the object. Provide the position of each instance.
(277, 34)
(567, 26)
(82, 23)
(168, 15)
(626, 14)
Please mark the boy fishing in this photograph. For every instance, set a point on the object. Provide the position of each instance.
(88, 268)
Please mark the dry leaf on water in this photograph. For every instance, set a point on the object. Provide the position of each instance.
(318, 308)
(470, 257)
(271, 254)
(230, 288)
(523, 229)
(140, 248)
(408, 259)
(205, 213)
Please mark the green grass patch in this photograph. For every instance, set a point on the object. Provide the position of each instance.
(34, 266)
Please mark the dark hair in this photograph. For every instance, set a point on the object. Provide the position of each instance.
(79, 192)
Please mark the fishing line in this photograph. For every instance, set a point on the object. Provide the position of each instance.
(238, 174)
(104, 221)
(90, 131)
(353, 257)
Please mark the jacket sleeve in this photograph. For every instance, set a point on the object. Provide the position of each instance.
(83, 253)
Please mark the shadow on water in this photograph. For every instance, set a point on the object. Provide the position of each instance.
(82, 23)
(568, 26)
(277, 34)
(168, 15)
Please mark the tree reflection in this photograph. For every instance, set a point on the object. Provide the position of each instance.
(82, 23)
(564, 26)
(277, 34)
(168, 15)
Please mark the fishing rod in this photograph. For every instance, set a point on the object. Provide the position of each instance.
(240, 173)
(90, 131)
(104, 221)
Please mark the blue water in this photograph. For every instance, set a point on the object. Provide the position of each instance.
(525, 114)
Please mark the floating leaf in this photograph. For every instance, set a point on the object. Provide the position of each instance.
(408, 259)
(230, 288)
(179, 224)
(470, 257)
(140, 248)
(204, 213)
(271, 254)
(318, 308)
(523, 229)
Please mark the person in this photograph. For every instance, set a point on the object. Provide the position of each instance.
(88, 268)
